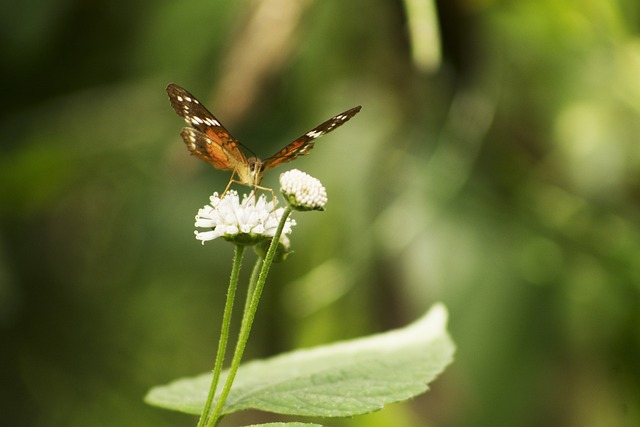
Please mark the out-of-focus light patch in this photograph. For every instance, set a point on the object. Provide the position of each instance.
(555, 206)
(401, 222)
(590, 148)
(444, 261)
(317, 289)
(424, 34)
(627, 85)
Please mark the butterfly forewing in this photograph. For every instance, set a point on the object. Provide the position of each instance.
(193, 112)
(208, 139)
(302, 145)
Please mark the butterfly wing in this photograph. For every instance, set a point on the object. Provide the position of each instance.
(302, 145)
(208, 139)
(200, 145)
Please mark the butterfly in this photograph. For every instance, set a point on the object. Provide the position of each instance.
(210, 141)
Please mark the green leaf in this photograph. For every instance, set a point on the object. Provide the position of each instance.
(342, 379)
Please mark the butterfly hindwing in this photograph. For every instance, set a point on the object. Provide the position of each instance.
(200, 145)
(194, 113)
(302, 145)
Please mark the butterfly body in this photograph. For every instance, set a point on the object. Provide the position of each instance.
(210, 141)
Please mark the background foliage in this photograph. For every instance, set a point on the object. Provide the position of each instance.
(500, 177)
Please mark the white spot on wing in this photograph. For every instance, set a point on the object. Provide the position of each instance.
(209, 121)
(314, 133)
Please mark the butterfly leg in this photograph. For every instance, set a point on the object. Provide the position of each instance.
(231, 181)
(254, 193)
(273, 195)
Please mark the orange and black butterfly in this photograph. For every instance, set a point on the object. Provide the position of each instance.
(210, 141)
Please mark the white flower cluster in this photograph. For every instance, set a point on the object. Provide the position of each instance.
(247, 223)
(303, 191)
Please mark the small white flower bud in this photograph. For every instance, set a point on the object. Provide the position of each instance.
(302, 191)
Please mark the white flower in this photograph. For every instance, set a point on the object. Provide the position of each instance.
(302, 191)
(245, 223)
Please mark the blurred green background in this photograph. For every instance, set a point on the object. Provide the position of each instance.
(495, 166)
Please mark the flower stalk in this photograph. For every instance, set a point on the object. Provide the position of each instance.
(247, 321)
(255, 273)
(249, 223)
(224, 333)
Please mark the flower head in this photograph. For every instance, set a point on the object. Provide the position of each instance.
(302, 191)
(244, 223)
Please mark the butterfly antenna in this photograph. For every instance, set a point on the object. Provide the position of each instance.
(247, 149)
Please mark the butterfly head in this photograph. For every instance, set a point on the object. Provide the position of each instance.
(253, 172)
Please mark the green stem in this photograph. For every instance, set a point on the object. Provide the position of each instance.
(252, 282)
(247, 322)
(224, 333)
